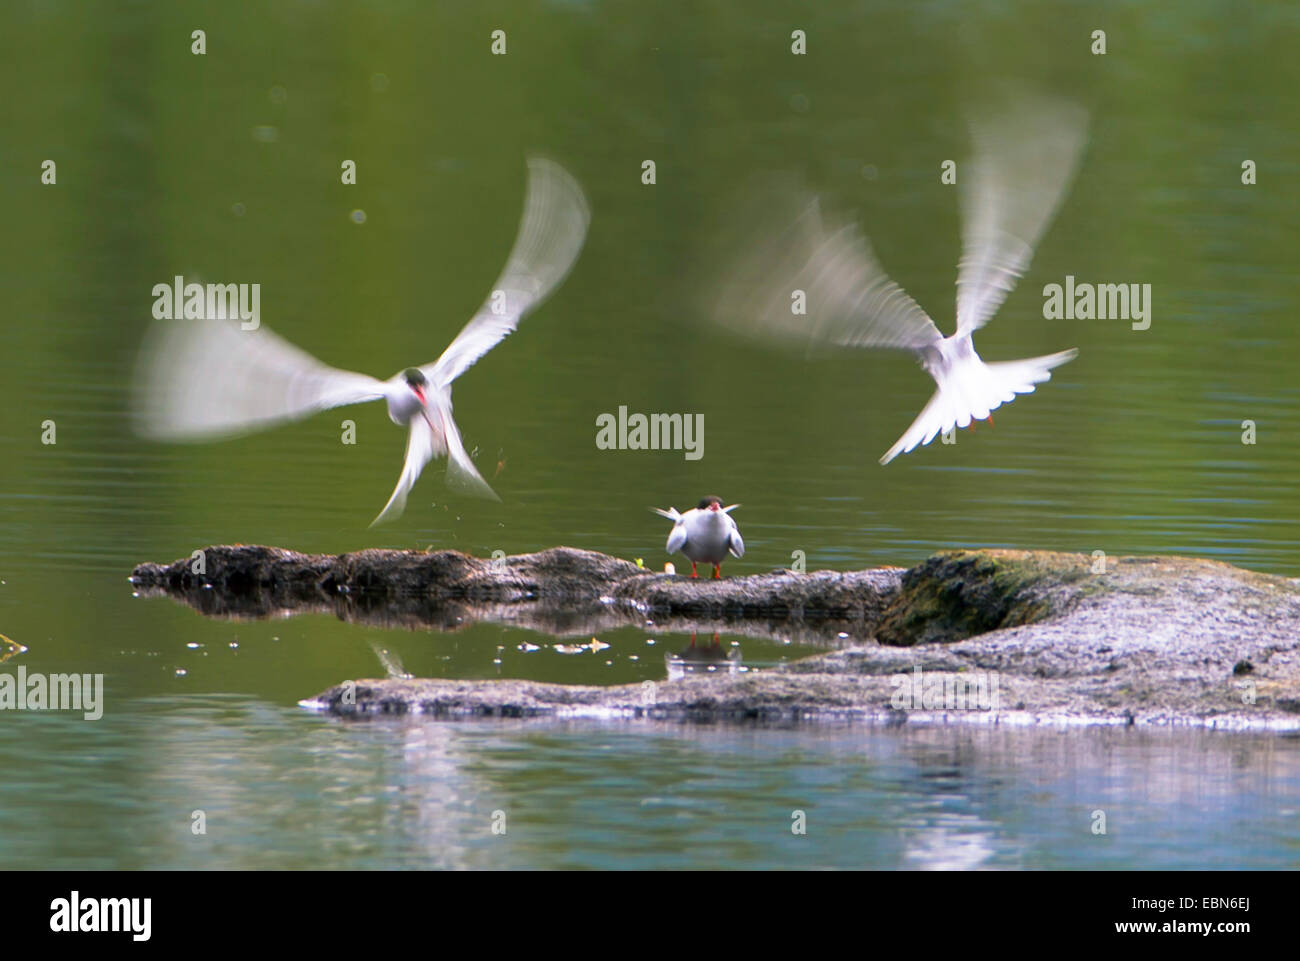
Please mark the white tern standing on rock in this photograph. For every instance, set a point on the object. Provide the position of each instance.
(705, 534)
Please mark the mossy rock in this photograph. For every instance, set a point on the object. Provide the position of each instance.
(954, 595)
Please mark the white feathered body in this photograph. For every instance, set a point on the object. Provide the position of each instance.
(704, 536)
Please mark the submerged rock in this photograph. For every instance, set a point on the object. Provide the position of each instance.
(1020, 635)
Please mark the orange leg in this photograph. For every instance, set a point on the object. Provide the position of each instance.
(693, 574)
(717, 572)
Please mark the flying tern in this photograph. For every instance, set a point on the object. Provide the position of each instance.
(1023, 159)
(203, 379)
(705, 534)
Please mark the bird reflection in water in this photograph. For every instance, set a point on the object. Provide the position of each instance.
(701, 658)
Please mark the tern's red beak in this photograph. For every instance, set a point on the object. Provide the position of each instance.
(419, 392)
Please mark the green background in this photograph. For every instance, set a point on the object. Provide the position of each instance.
(226, 168)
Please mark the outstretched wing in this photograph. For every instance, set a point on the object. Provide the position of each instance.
(806, 279)
(1024, 157)
(207, 378)
(551, 234)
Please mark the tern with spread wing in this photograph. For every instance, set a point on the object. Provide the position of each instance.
(203, 379)
(1023, 160)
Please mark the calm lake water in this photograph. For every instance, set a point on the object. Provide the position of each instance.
(225, 168)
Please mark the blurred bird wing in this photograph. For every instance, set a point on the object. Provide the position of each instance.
(849, 300)
(420, 445)
(208, 378)
(551, 234)
(1024, 157)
